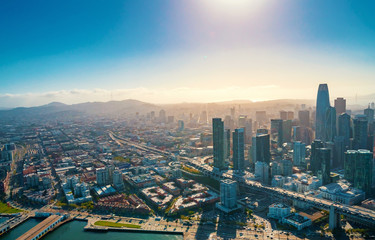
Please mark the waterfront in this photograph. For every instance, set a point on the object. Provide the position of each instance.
(21, 229)
(74, 231)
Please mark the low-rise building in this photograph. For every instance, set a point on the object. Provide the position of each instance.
(278, 211)
(297, 221)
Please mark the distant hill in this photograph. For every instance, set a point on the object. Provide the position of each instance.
(56, 109)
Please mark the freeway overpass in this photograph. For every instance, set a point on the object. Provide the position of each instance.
(358, 214)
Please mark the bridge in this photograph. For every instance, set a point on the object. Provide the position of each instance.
(43, 228)
(358, 214)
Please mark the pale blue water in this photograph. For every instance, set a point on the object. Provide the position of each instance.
(74, 231)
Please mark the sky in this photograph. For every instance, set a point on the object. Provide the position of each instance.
(167, 51)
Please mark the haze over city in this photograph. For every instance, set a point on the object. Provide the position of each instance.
(200, 119)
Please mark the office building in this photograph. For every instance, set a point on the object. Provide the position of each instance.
(262, 171)
(360, 133)
(340, 105)
(276, 132)
(278, 211)
(102, 176)
(299, 153)
(344, 128)
(330, 122)
(359, 169)
(339, 151)
(315, 163)
(286, 168)
(324, 156)
(322, 104)
(227, 144)
(304, 118)
(369, 114)
(218, 143)
(262, 148)
(238, 150)
(228, 196)
(283, 115)
(287, 131)
(162, 116)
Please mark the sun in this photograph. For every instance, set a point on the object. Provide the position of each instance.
(234, 7)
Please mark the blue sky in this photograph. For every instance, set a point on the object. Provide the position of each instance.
(74, 51)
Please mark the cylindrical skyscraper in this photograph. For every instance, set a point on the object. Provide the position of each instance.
(322, 103)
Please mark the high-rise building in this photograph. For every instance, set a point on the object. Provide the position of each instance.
(118, 181)
(339, 151)
(344, 128)
(262, 148)
(359, 168)
(324, 156)
(248, 130)
(330, 123)
(162, 116)
(363, 175)
(290, 115)
(315, 163)
(283, 115)
(287, 131)
(304, 118)
(218, 143)
(340, 105)
(181, 125)
(262, 171)
(276, 132)
(322, 104)
(228, 195)
(360, 134)
(286, 168)
(203, 118)
(238, 149)
(369, 114)
(227, 143)
(299, 153)
(102, 176)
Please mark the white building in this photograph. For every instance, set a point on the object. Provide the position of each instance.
(341, 192)
(262, 171)
(228, 196)
(278, 211)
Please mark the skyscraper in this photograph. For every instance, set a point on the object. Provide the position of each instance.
(360, 134)
(228, 195)
(340, 105)
(330, 122)
(227, 144)
(162, 116)
(322, 103)
(277, 132)
(358, 169)
(304, 118)
(369, 114)
(262, 149)
(315, 163)
(299, 153)
(339, 150)
(248, 130)
(344, 128)
(324, 156)
(238, 149)
(287, 131)
(218, 142)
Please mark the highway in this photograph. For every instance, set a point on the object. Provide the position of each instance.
(360, 214)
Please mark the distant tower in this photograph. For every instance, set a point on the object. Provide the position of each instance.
(304, 118)
(218, 142)
(330, 124)
(324, 155)
(344, 128)
(238, 149)
(322, 103)
(340, 105)
(277, 132)
(369, 114)
(360, 134)
(262, 148)
(299, 153)
(315, 163)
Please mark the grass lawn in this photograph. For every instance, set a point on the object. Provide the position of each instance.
(4, 208)
(115, 224)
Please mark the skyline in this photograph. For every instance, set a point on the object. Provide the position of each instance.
(170, 52)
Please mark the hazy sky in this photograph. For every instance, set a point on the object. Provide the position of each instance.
(165, 51)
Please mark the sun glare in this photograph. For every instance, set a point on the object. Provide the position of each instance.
(234, 7)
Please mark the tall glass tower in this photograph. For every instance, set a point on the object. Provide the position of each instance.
(238, 149)
(322, 104)
(219, 143)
